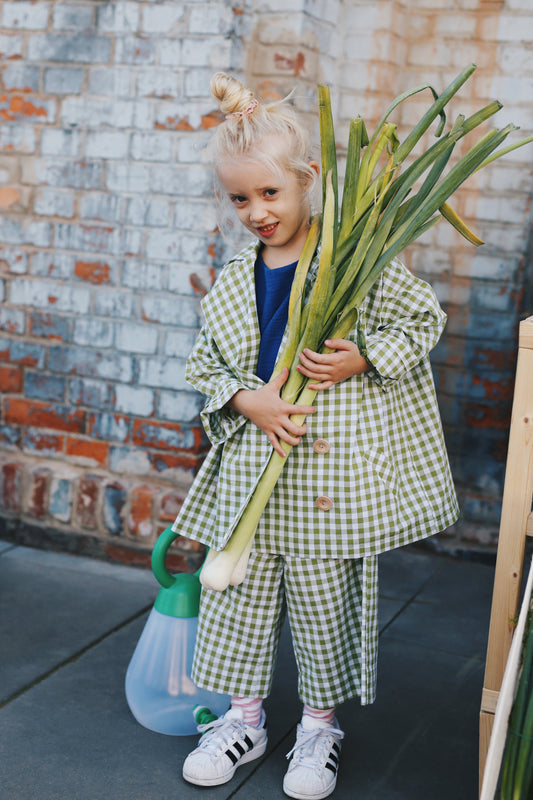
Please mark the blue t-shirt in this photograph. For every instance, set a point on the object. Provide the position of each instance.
(272, 292)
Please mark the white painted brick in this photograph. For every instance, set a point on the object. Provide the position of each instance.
(104, 144)
(179, 406)
(174, 310)
(63, 80)
(155, 82)
(185, 180)
(119, 17)
(52, 265)
(193, 249)
(151, 146)
(13, 231)
(17, 138)
(127, 177)
(50, 202)
(134, 400)
(69, 47)
(193, 149)
(93, 332)
(15, 259)
(22, 14)
(135, 50)
(182, 277)
(145, 276)
(21, 77)
(179, 343)
(136, 338)
(199, 52)
(170, 52)
(11, 45)
(210, 18)
(195, 216)
(57, 142)
(48, 294)
(94, 112)
(104, 207)
(197, 82)
(70, 17)
(161, 18)
(111, 81)
(168, 373)
(151, 211)
(113, 303)
(455, 25)
(163, 245)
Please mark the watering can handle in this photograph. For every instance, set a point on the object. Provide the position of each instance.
(159, 554)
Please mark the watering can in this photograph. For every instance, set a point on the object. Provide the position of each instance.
(159, 689)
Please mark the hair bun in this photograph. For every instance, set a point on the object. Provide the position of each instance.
(230, 94)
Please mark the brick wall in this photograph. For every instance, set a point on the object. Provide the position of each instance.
(108, 236)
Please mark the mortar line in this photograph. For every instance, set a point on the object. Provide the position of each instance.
(75, 657)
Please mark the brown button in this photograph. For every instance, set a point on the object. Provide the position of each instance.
(324, 503)
(321, 446)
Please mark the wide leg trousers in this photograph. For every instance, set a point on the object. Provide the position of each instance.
(332, 609)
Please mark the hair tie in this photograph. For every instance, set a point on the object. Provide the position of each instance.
(241, 114)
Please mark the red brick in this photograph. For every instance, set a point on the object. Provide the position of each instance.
(93, 271)
(37, 494)
(87, 448)
(44, 442)
(10, 379)
(87, 501)
(142, 511)
(170, 505)
(44, 415)
(11, 484)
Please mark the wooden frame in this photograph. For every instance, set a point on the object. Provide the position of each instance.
(516, 523)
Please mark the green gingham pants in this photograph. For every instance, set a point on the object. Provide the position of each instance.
(332, 608)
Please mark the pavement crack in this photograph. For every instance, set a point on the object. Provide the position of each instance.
(75, 656)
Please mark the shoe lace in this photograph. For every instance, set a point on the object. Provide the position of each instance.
(220, 732)
(311, 745)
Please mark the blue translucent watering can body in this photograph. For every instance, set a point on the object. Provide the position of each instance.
(159, 689)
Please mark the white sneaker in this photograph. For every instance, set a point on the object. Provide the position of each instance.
(226, 743)
(312, 773)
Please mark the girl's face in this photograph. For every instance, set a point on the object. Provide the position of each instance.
(272, 204)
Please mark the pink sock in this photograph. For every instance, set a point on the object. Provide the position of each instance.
(251, 709)
(322, 714)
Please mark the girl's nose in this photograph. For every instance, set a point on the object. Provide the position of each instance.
(257, 212)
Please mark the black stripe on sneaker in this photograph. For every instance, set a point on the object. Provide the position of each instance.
(332, 767)
(231, 755)
(240, 749)
(334, 758)
(336, 747)
(248, 742)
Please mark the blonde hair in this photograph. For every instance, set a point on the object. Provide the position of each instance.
(248, 122)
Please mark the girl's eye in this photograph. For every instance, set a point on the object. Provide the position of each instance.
(237, 199)
(271, 192)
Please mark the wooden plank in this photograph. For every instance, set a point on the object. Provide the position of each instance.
(489, 700)
(505, 700)
(529, 526)
(516, 508)
(526, 333)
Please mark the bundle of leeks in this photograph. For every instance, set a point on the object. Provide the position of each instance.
(380, 216)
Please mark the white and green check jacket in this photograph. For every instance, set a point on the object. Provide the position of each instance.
(382, 478)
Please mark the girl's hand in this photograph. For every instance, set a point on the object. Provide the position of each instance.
(265, 408)
(329, 368)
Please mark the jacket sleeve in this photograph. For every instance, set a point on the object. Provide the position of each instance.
(409, 321)
(207, 372)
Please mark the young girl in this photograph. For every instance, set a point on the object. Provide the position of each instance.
(369, 471)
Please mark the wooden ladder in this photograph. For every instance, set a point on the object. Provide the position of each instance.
(516, 523)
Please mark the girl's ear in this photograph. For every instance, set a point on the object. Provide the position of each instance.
(315, 166)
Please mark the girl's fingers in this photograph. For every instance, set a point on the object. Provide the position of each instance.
(317, 387)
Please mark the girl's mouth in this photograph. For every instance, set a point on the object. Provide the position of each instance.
(268, 230)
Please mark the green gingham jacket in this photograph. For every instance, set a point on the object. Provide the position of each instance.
(372, 471)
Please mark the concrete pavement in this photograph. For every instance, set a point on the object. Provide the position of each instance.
(68, 628)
